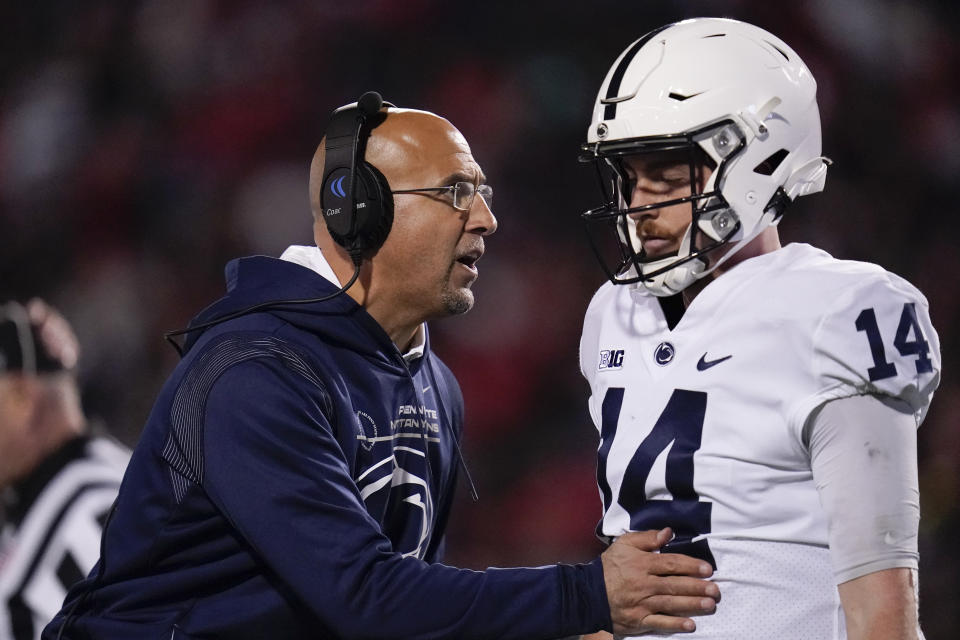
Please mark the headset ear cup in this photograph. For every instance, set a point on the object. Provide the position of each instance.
(375, 219)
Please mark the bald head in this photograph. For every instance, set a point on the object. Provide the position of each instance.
(403, 148)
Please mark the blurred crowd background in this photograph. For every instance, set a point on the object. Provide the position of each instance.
(144, 144)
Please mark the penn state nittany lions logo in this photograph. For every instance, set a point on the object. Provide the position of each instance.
(396, 489)
(664, 354)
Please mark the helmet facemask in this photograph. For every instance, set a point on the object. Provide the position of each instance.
(612, 232)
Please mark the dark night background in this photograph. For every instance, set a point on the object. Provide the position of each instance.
(144, 144)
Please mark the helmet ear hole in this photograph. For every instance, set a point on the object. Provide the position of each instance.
(770, 164)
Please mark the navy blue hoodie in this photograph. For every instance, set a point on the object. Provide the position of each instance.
(293, 481)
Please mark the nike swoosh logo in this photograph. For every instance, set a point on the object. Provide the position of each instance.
(705, 364)
(426, 388)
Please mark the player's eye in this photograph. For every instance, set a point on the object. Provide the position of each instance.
(675, 175)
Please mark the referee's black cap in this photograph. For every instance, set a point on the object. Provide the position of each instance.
(21, 348)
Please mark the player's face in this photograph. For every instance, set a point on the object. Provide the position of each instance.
(659, 177)
(429, 258)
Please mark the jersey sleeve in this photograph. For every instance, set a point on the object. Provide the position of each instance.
(870, 495)
(274, 468)
(876, 338)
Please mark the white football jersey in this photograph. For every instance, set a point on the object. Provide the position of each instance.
(701, 426)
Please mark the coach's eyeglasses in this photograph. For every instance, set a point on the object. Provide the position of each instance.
(462, 194)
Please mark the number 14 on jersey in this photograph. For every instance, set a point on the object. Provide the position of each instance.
(680, 425)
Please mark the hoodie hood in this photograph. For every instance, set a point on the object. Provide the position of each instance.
(261, 280)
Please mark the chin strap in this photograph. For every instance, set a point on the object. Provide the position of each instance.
(679, 277)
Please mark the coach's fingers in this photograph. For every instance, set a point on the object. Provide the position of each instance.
(681, 605)
(666, 564)
(672, 624)
(685, 586)
(646, 540)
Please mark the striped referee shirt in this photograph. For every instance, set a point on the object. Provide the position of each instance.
(51, 538)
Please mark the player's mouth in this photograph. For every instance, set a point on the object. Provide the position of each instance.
(655, 246)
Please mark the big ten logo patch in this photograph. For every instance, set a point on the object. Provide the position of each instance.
(611, 359)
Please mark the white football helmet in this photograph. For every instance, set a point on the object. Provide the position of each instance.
(741, 101)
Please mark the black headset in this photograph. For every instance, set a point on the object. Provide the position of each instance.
(355, 197)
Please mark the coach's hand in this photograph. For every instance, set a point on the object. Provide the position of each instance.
(650, 591)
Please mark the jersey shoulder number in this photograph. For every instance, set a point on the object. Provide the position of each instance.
(878, 338)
